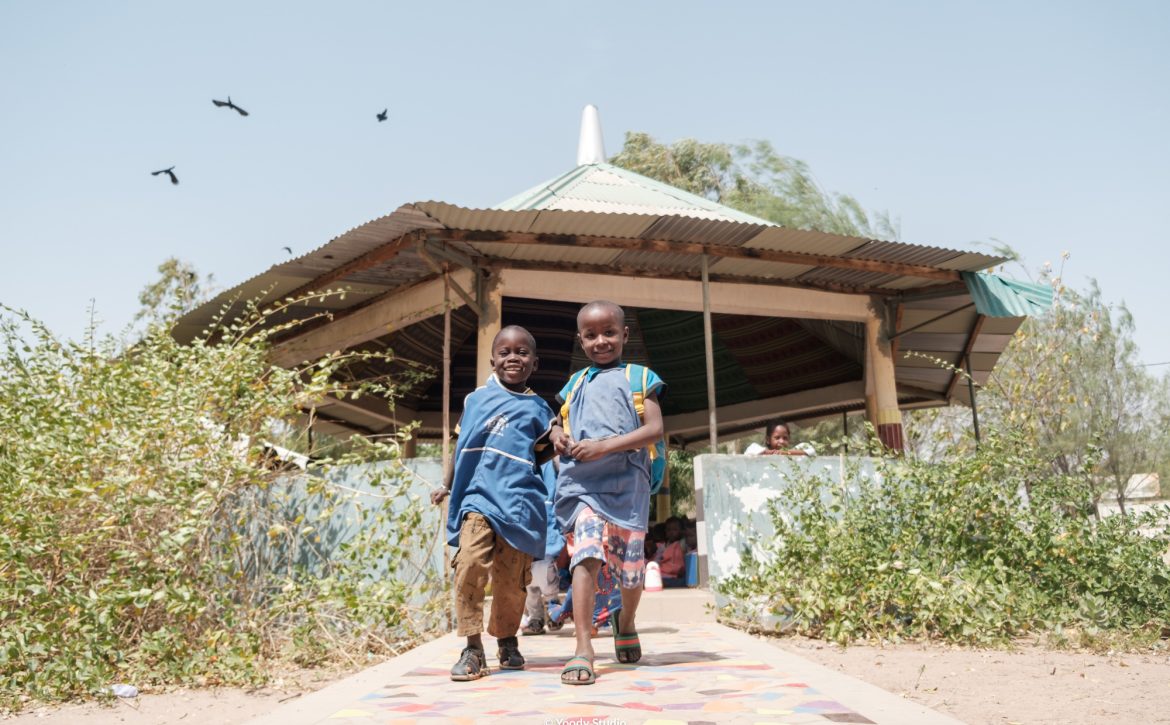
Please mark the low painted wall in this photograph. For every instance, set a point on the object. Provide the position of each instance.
(736, 491)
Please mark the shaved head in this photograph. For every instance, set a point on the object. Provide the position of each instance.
(609, 308)
(515, 330)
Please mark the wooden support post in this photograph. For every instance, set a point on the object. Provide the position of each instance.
(446, 373)
(881, 391)
(709, 349)
(446, 424)
(491, 303)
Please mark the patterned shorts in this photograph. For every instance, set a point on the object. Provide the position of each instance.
(622, 550)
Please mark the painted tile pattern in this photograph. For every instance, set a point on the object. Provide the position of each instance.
(687, 676)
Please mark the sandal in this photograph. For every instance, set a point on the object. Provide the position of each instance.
(575, 665)
(472, 665)
(627, 647)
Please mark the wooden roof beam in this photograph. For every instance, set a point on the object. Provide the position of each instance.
(756, 411)
(368, 406)
(372, 258)
(675, 294)
(392, 311)
(698, 249)
(609, 270)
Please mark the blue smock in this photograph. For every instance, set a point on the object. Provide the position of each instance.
(616, 486)
(495, 466)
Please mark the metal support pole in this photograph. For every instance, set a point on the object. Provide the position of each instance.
(709, 349)
(974, 409)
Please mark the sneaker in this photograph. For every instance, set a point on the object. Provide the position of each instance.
(472, 665)
(534, 626)
(509, 654)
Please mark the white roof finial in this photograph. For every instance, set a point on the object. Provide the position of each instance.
(590, 148)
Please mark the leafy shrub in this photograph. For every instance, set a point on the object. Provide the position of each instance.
(955, 551)
(145, 535)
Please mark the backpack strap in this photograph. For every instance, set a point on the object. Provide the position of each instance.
(638, 384)
(575, 381)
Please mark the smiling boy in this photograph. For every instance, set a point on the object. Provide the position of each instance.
(603, 488)
(497, 515)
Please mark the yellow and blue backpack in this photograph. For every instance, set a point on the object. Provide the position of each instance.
(637, 375)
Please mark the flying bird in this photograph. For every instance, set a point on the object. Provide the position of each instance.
(228, 103)
(169, 172)
(287, 249)
(382, 115)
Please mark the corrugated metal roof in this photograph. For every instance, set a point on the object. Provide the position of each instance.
(804, 241)
(610, 189)
(757, 268)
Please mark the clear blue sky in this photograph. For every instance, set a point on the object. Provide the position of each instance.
(1045, 125)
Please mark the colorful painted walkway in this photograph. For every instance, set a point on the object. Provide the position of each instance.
(697, 673)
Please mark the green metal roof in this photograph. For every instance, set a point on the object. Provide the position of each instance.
(607, 188)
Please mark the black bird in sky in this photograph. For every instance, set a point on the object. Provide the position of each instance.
(382, 115)
(169, 172)
(228, 103)
(287, 249)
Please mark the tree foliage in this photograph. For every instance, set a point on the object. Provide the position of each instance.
(1072, 385)
(753, 178)
(178, 290)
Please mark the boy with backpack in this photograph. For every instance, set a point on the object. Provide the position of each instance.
(603, 488)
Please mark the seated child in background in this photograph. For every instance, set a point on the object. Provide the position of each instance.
(655, 540)
(777, 437)
(690, 535)
(672, 562)
(497, 514)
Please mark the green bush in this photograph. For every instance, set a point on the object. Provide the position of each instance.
(145, 535)
(955, 551)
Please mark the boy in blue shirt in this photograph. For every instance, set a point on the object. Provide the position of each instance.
(497, 514)
(603, 488)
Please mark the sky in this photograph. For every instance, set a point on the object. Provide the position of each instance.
(1044, 126)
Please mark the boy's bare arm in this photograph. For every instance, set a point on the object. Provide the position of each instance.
(439, 494)
(650, 432)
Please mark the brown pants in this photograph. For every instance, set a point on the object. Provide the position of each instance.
(481, 552)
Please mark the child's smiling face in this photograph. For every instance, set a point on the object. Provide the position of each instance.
(514, 358)
(602, 333)
(779, 438)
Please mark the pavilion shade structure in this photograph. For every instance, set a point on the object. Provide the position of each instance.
(790, 307)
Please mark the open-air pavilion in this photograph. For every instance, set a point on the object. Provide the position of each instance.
(744, 319)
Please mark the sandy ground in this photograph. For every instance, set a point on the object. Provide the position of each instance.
(1031, 686)
(222, 706)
